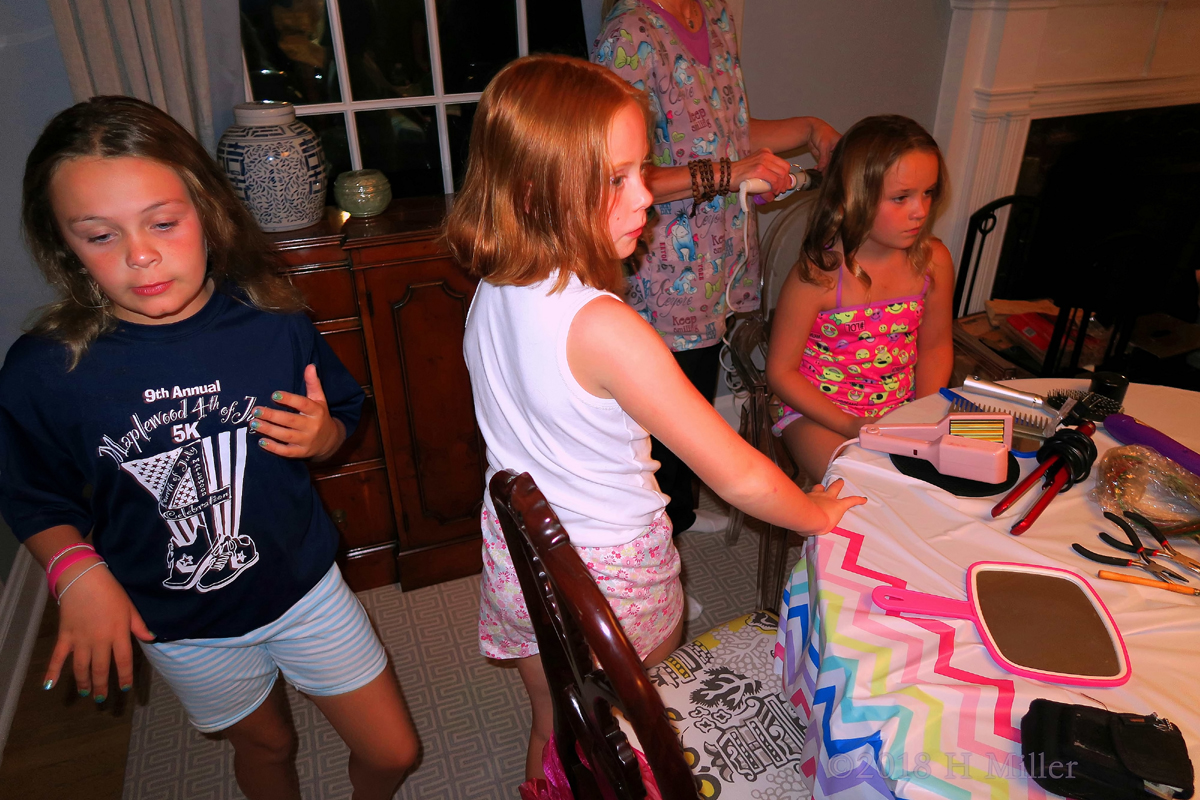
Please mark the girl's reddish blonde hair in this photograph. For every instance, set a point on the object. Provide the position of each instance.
(537, 191)
(850, 194)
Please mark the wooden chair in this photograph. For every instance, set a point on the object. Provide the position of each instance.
(748, 345)
(709, 719)
(573, 622)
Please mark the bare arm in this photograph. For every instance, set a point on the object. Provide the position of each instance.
(612, 351)
(675, 183)
(778, 135)
(799, 303)
(935, 337)
(95, 618)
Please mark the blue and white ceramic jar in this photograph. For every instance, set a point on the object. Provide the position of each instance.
(275, 164)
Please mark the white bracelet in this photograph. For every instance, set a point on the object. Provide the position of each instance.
(77, 577)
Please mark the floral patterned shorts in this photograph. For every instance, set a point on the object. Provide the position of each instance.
(640, 580)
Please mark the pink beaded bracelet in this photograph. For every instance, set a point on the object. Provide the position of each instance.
(65, 562)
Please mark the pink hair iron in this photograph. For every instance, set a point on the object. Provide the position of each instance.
(971, 446)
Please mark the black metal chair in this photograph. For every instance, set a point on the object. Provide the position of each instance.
(1022, 225)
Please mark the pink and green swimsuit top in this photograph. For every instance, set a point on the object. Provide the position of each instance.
(863, 357)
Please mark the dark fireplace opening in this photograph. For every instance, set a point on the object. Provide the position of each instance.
(1117, 228)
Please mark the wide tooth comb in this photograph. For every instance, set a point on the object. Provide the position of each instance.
(1022, 423)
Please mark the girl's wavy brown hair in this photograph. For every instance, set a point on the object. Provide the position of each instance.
(851, 192)
(536, 195)
(239, 254)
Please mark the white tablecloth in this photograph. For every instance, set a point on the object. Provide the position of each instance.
(916, 707)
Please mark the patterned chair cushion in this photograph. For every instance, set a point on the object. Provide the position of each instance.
(740, 735)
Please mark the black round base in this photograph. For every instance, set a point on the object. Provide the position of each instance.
(959, 487)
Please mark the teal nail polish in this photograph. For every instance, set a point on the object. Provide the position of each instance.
(84, 692)
(99, 699)
(277, 396)
(127, 687)
(262, 442)
(254, 425)
(258, 412)
(48, 685)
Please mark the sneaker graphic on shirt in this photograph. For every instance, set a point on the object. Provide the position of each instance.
(198, 488)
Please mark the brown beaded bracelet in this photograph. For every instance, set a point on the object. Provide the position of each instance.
(726, 176)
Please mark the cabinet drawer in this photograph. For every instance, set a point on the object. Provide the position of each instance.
(360, 505)
(328, 292)
(348, 347)
(369, 569)
(363, 445)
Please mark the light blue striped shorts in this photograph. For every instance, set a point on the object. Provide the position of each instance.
(324, 645)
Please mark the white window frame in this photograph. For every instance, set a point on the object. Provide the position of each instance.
(439, 99)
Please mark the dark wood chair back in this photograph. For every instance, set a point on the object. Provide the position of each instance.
(575, 628)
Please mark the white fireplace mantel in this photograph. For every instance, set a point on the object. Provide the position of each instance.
(1012, 61)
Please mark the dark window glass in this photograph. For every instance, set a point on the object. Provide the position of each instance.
(403, 144)
(556, 26)
(477, 38)
(459, 118)
(288, 51)
(387, 48)
(331, 129)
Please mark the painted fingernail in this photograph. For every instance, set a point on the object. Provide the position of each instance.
(277, 396)
(48, 685)
(99, 699)
(127, 687)
(262, 442)
(254, 425)
(258, 412)
(84, 692)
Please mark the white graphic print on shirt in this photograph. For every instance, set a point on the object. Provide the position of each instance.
(199, 492)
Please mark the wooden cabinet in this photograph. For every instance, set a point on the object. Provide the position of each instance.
(405, 490)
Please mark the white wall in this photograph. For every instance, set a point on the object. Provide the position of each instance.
(842, 61)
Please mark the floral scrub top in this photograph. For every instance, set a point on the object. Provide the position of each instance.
(863, 357)
(699, 112)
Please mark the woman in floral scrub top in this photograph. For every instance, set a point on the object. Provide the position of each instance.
(684, 54)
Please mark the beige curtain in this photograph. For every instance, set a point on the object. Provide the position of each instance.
(149, 49)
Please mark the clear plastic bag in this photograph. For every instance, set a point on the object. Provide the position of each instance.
(1139, 478)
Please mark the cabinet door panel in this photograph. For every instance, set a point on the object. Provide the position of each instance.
(417, 314)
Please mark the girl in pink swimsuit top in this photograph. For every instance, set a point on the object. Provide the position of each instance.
(834, 362)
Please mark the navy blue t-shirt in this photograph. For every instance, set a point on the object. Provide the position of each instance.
(211, 535)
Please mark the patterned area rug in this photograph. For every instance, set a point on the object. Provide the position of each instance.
(472, 716)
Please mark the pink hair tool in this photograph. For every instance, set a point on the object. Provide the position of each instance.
(971, 446)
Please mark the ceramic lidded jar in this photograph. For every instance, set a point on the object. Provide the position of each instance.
(362, 192)
(275, 164)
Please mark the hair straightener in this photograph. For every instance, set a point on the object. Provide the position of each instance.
(971, 446)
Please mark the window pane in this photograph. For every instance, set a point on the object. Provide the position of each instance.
(403, 144)
(331, 129)
(387, 48)
(556, 26)
(288, 51)
(477, 38)
(459, 118)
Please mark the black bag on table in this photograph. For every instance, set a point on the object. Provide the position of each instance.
(1092, 754)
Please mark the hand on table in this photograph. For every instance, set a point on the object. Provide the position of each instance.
(307, 432)
(95, 620)
(833, 507)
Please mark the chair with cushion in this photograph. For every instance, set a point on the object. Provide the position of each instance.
(709, 720)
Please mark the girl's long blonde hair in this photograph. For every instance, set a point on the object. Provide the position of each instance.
(850, 194)
(537, 191)
(239, 254)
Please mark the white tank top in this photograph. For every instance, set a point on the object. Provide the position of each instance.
(588, 457)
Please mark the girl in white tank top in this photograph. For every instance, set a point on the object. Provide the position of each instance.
(568, 381)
